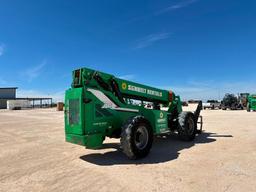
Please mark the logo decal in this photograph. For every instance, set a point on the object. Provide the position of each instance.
(124, 86)
(161, 115)
(145, 91)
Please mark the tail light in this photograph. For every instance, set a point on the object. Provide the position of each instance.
(170, 96)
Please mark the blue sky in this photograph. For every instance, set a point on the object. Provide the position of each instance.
(198, 48)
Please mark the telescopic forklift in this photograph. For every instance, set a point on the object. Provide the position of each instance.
(251, 102)
(100, 105)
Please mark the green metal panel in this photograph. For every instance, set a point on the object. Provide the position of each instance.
(158, 120)
(90, 141)
(99, 119)
(77, 139)
(87, 124)
(74, 111)
(161, 122)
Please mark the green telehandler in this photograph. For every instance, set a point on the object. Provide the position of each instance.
(100, 105)
(251, 102)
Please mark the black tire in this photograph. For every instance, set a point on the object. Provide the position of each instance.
(248, 107)
(136, 137)
(187, 126)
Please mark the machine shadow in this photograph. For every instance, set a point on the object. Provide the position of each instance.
(164, 149)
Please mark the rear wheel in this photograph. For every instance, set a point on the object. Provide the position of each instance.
(187, 126)
(136, 137)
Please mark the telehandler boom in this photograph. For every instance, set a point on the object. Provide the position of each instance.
(100, 105)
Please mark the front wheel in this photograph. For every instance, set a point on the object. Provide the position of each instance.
(136, 137)
(187, 126)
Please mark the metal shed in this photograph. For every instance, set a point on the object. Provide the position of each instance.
(6, 93)
(9, 93)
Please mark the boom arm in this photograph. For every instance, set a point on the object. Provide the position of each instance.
(122, 88)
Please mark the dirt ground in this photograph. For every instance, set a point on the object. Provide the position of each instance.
(35, 157)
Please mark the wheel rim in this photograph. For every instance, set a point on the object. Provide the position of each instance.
(191, 126)
(141, 137)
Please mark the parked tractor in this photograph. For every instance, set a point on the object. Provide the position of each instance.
(100, 105)
(230, 101)
(251, 102)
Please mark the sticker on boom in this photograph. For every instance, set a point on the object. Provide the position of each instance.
(145, 91)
